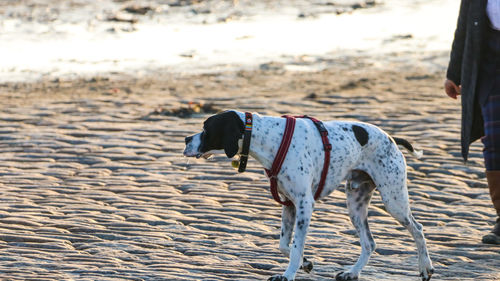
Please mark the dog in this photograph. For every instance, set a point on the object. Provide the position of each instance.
(362, 154)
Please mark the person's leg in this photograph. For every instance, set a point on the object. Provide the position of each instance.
(491, 153)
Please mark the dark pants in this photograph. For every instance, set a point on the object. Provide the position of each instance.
(489, 99)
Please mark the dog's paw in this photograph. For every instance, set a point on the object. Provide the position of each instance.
(427, 274)
(307, 266)
(344, 276)
(277, 278)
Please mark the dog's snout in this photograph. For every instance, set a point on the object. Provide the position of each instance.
(188, 139)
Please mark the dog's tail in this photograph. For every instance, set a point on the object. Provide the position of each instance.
(406, 144)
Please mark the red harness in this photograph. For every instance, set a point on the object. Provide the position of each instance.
(280, 157)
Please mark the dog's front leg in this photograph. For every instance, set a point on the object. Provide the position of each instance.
(287, 222)
(302, 219)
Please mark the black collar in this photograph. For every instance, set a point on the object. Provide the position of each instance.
(246, 142)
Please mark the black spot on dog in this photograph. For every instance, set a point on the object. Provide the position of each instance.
(419, 226)
(301, 205)
(361, 134)
(300, 224)
(361, 195)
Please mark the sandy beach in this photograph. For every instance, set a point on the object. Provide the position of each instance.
(93, 185)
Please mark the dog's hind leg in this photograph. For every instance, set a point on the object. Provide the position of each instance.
(394, 193)
(359, 190)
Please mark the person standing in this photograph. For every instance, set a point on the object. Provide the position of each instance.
(474, 72)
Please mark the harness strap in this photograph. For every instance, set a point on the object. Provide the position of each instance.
(328, 147)
(282, 151)
(280, 158)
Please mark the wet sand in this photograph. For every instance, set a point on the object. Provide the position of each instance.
(94, 187)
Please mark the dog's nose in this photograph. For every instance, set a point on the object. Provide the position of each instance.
(188, 139)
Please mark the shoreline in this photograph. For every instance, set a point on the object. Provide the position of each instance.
(61, 48)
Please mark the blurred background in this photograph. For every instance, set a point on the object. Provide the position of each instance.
(61, 38)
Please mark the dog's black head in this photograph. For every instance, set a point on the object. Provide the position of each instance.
(220, 131)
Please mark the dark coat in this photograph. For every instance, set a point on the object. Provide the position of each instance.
(463, 68)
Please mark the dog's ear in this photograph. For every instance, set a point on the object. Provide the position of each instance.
(233, 130)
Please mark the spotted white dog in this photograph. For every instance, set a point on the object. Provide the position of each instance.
(362, 154)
